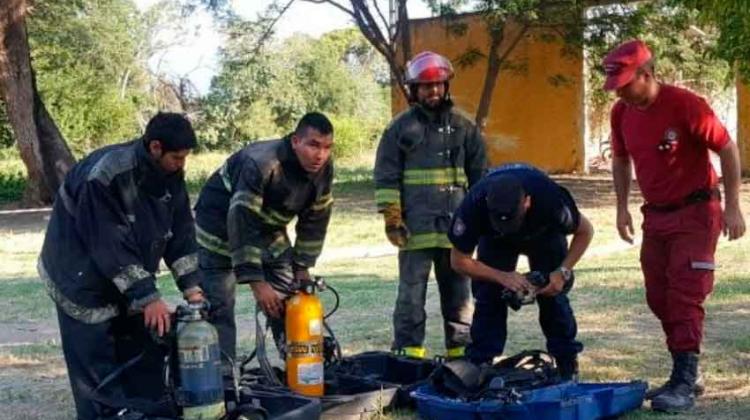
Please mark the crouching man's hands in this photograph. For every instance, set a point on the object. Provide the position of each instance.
(156, 316)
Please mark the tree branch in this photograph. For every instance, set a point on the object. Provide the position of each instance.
(382, 17)
(334, 4)
(269, 30)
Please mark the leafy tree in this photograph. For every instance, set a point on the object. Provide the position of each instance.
(683, 51)
(732, 18)
(42, 148)
(263, 92)
(90, 58)
(91, 73)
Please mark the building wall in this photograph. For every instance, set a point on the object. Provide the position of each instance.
(537, 112)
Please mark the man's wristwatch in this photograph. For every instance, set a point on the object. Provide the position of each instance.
(566, 272)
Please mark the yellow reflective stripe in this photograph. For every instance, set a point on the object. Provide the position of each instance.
(323, 202)
(416, 352)
(255, 204)
(387, 196)
(308, 247)
(279, 245)
(246, 199)
(211, 242)
(428, 240)
(276, 217)
(436, 176)
(246, 254)
(225, 177)
(455, 352)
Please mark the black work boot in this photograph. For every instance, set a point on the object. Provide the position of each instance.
(679, 395)
(567, 367)
(699, 388)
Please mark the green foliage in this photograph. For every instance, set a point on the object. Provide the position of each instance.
(732, 18)
(6, 134)
(11, 187)
(684, 52)
(354, 137)
(12, 175)
(84, 54)
(262, 92)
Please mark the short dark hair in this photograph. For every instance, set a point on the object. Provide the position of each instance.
(314, 120)
(172, 130)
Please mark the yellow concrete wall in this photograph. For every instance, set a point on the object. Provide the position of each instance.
(743, 125)
(530, 119)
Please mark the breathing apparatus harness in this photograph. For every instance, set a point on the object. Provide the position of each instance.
(503, 381)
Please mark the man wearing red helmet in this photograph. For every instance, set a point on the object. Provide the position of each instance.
(667, 133)
(427, 158)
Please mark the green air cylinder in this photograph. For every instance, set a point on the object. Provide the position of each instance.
(201, 394)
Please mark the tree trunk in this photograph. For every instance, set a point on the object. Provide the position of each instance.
(495, 61)
(43, 150)
(403, 29)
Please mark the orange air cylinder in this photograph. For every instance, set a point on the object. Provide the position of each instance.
(304, 344)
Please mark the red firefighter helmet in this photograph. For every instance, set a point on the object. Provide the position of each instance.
(428, 67)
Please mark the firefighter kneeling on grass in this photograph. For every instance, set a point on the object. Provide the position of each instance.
(517, 209)
(241, 217)
(120, 211)
(428, 157)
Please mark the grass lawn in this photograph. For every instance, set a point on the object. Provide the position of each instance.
(622, 339)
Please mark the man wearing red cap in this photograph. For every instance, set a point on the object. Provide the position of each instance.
(667, 133)
(428, 157)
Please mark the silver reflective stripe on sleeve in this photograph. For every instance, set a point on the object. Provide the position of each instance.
(138, 304)
(67, 201)
(72, 309)
(129, 276)
(702, 265)
(225, 178)
(185, 265)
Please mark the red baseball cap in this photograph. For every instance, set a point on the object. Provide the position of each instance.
(621, 63)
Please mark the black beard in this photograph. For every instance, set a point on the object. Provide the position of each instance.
(435, 107)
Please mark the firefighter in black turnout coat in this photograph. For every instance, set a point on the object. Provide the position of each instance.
(242, 214)
(120, 211)
(427, 159)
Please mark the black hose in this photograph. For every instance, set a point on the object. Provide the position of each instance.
(336, 305)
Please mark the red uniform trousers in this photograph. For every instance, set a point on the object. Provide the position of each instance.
(677, 259)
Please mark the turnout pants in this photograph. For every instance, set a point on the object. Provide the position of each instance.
(489, 327)
(677, 259)
(95, 351)
(219, 284)
(455, 299)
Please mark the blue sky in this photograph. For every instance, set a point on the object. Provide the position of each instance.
(196, 57)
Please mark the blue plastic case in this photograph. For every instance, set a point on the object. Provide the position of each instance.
(566, 401)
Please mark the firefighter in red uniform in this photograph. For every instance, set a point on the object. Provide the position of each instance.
(667, 133)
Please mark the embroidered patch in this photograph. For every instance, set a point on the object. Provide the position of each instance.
(459, 227)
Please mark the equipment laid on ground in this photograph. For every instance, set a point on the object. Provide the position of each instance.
(404, 372)
(524, 386)
(199, 391)
(304, 340)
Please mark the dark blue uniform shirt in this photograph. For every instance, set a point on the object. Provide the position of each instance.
(552, 210)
